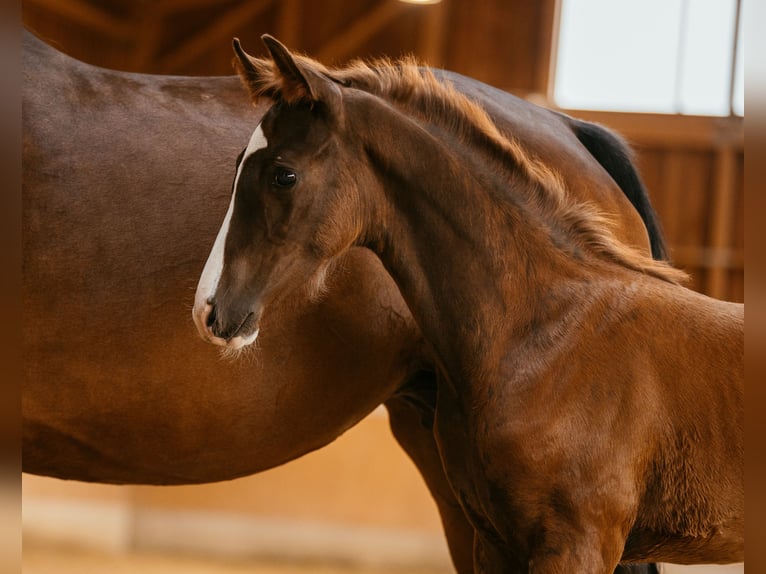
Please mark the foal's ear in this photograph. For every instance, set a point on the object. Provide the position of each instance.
(258, 75)
(302, 79)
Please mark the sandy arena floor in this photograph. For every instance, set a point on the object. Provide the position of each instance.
(51, 560)
(37, 560)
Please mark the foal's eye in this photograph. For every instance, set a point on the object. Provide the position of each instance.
(284, 177)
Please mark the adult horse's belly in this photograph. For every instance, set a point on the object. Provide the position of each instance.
(116, 396)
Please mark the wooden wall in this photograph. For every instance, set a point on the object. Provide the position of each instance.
(500, 42)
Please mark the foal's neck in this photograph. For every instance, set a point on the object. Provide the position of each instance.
(468, 260)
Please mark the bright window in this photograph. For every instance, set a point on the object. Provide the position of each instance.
(663, 56)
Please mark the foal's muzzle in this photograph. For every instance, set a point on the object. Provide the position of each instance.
(234, 336)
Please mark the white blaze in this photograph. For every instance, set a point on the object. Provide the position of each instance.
(211, 274)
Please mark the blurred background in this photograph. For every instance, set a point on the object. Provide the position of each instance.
(666, 74)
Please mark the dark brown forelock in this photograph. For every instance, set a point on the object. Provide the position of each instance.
(415, 89)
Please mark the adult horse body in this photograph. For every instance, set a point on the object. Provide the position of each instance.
(112, 162)
(116, 169)
(589, 409)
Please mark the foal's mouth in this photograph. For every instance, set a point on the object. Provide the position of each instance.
(243, 330)
(236, 337)
(247, 326)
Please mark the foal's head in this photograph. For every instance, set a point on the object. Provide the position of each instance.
(305, 186)
(294, 206)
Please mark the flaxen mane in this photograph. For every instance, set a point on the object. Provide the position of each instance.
(415, 90)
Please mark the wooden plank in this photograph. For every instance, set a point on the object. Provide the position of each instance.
(89, 16)
(348, 41)
(149, 36)
(670, 131)
(547, 45)
(550, 80)
(727, 259)
(432, 37)
(219, 31)
(649, 163)
(171, 6)
(722, 217)
(289, 23)
(670, 191)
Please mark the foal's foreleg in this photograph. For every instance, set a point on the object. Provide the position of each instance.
(571, 549)
(578, 555)
(491, 558)
(572, 560)
(418, 442)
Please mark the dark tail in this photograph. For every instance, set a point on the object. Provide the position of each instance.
(637, 569)
(617, 159)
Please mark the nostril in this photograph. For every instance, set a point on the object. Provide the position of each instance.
(210, 317)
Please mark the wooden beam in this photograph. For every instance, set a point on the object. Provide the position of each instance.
(431, 41)
(550, 80)
(219, 31)
(289, 23)
(670, 130)
(547, 46)
(361, 30)
(668, 198)
(148, 38)
(171, 6)
(690, 256)
(88, 15)
(722, 216)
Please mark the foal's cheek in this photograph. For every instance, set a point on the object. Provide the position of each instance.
(278, 212)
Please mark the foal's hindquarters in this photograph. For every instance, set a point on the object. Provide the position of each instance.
(623, 441)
